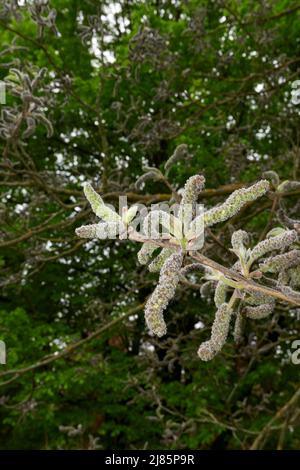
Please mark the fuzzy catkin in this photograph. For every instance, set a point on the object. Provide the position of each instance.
(206, 290)
(294, 274)
(187, 208)
(191, 267)
(101, 231)
(234, 203)
(257, 298)
(162, 294)
(181, 152)
(220, 293)
(278, 263)
(159, 261)
(153, 175)
(260, 311)
(274, 243)
(238, 327)
(145, 253)
(286, 220)
(239, 239)
(219, 333)
(272, 176)
(97, 204)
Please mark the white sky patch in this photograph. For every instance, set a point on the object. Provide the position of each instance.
(199, 325)
(259, 87)
(133, 317)
(230, 122)
(253, 54)
(253, 156)
(147, 347)
(60, 344)
(232, 33)
(222, 19)
(115, 22)
(19, 208)
(263, 132)
(295, 93)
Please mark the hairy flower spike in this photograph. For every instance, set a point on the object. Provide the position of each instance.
(219, 333)
(191, 267)
(181, 153)
(145, 253)
(238, 240)
(286, 186)
(286, 220)
(206, 291)
(220, 293)
(238, 327)
(97, 204)
(273, 177)
(162, 294)
(294, 274)
(101, 231)
(159, 261)
(278, 242)
(257, 298)
(260, 311)
(192, 188)
(278, 263)
(234, 203)
(152, 174)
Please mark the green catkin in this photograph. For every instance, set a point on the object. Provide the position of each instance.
(153, 175)
(220, 293)
(260, 311)
(191, 267)
(159, 261)
(97, 204)
(239, 326)
(235, 202)
(206, 291)
(101, 231)
(187, 208)
(145, 253)
(274, 243)
(232, 205)
(219, 333)
(181, 153)
(272, 176)
(294, 274)
(162, 294)
(285, 220)
(257, 298)
(278, 263)
(239, 239)
(286, 186)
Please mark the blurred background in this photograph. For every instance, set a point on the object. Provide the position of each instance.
(94, 91)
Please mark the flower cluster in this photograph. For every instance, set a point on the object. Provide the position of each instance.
(275, 260)
(163, 293)
(23, 84)
(40, 12)
(247, 304)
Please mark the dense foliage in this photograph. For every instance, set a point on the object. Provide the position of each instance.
(96, 91)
